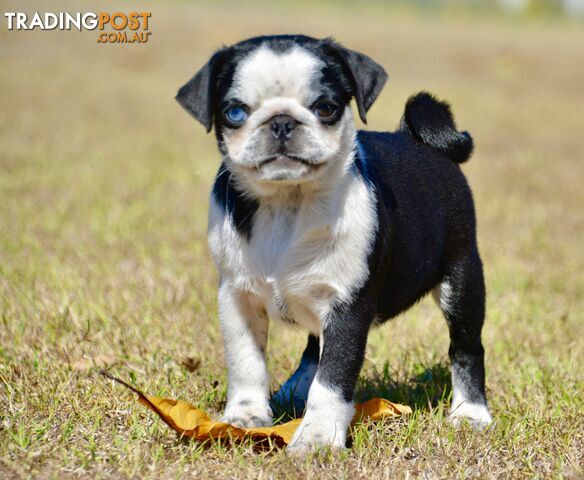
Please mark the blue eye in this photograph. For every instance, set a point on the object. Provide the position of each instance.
(236, 115)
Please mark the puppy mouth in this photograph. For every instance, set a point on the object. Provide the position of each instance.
(286, 159)
(284, 168)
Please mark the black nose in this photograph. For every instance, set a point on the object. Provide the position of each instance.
(282, 126)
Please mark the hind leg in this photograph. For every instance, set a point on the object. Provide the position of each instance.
(461, 296)
(293, 393)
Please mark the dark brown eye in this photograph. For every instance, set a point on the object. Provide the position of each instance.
(325, 110)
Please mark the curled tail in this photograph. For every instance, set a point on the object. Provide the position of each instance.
(431, 122)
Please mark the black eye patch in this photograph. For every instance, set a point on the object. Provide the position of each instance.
(335, 93)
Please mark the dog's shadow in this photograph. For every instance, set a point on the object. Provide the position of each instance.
(424, 388)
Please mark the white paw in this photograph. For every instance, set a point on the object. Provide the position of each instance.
(247, 413)
(325, 423)
(475, 414)
(314, 435)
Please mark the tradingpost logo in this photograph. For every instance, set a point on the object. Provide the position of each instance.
(117, 27)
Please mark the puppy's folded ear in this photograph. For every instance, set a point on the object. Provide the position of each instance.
(367, 77)
(197, 96)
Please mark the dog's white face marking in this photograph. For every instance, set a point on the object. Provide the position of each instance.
(267, 74)
(273, 83)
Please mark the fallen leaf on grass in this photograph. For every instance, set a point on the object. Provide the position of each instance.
(189, 421)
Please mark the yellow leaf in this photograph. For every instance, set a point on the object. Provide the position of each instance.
(189, 421)
(378, 408)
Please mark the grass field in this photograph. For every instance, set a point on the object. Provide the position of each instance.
(103, 258)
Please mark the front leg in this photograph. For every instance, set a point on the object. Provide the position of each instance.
(245, 333)
(329, 409)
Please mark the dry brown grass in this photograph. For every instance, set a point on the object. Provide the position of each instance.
(104, 183)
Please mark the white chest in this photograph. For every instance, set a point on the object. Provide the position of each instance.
(301, 257)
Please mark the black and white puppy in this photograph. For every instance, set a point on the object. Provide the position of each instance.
(332, 229)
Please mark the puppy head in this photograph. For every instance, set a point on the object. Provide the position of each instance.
(280, 106)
